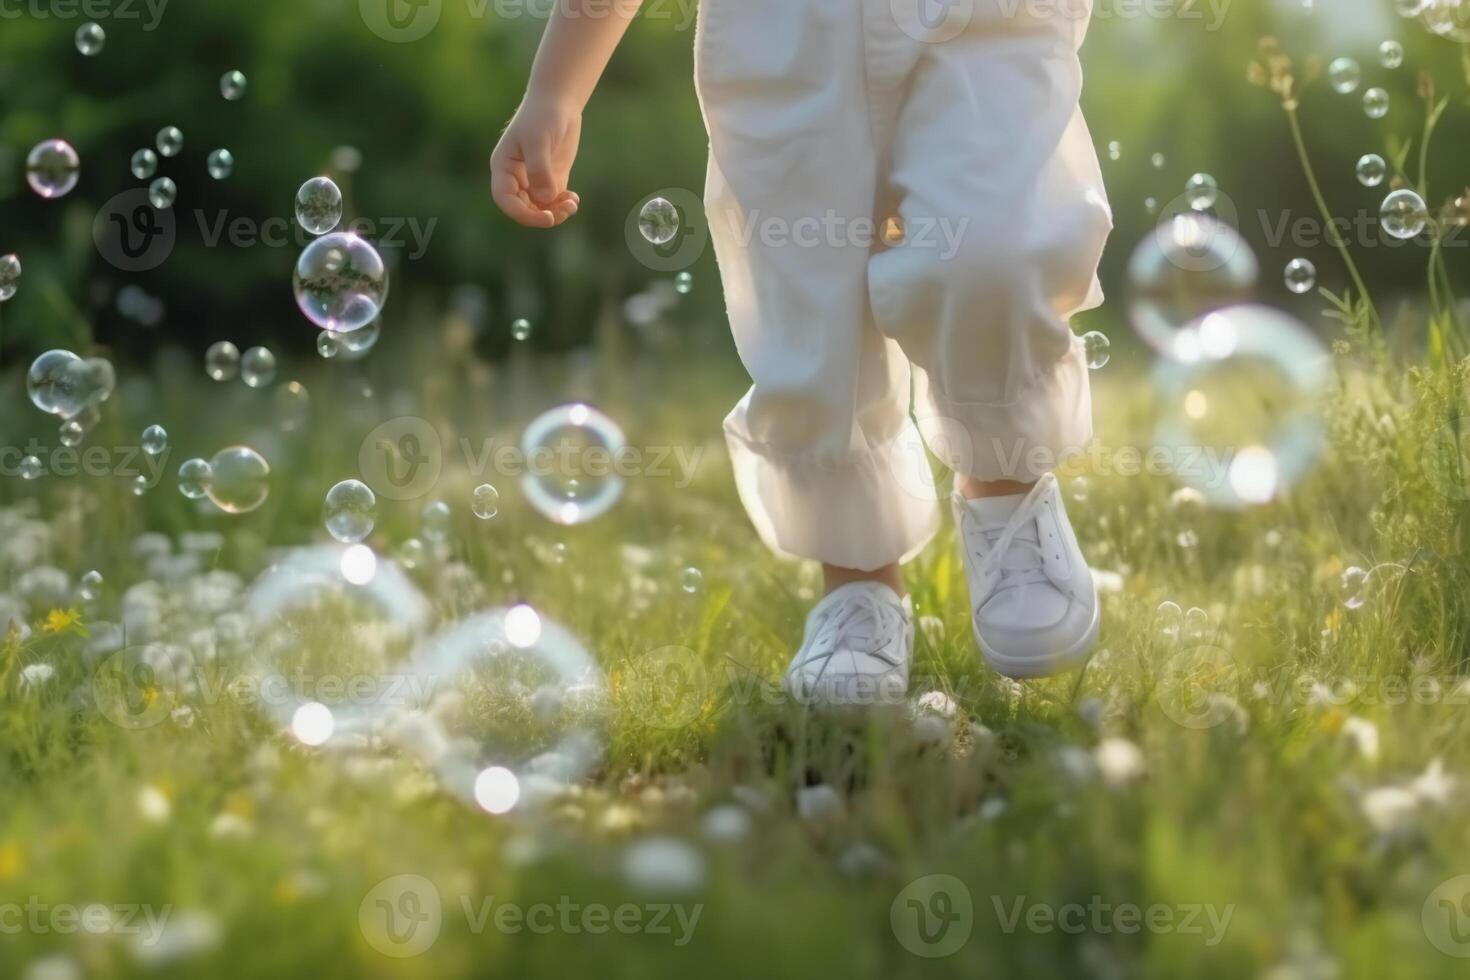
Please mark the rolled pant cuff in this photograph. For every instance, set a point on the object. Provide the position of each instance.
(873, 508)
(1023, 439)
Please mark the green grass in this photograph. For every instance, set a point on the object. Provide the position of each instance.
(1265, 816)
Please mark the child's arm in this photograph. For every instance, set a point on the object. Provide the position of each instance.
(530, 165)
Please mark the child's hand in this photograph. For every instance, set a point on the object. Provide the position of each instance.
(530, 165)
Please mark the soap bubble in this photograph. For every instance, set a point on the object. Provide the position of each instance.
(319, 205)
(328, 344)
(340, 282)
(170, 141)
(1343, 75)
(1300, 275)
(1251, 397)
(1115, 150)
(144, 164)
(155, 440)
(412, 553)
(658, 221)
(1097, 348)
(1188, 265)
(90, 39)
(232, 85)
(1158, 161)
(31, 468)
(684, 283)
(293, 404)
(436, 521)
(1403, 214)
(53, 168)
(239, 480)
(140, 485)
(89, 586)
(195, 476)
(1375, 103)
(1352, 587)
(258, 367)
(691, 580)
(349, 511)
(485, 502)
(520, 329)
(9, 276)
(1371, 169)
(71, 434)
(571, 450)
(1201, 191)
(1390, 54)
(221, 164)
(222, 360)
(162, 193)
(1169, 619)
(57, 383)
(359, 342)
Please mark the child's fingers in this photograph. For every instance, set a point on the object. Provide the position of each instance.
(544, 189)
(565, 206)
(511, 198)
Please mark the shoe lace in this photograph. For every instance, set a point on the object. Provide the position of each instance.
(861, 623)
(1013, 556)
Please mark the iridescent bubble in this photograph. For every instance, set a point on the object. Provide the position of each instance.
(319, 205)
(1371, 169)
(98, 380)
(1300, 275)
(144, 164)
(258, 367)
(329, 344)
(340, 282)
(89, 586)
(90, 39)
(1196, 624)
(412, 553)
(1375, 103)
(170, 141)
(435, 521)
(53, 168)
(140, 485)
(486, 502)
(1250, 398)
(520, 329)
(162, 193)
(1343, 75)
(72, 434)
(293, 405)
(1390, 54)
(195, 476)
(570, 479)
(1447, 18)
(9, 276)
(232, 85)
(221, 164)
(658, 222)
(692, 580)
(1097, 348)
(362, 340)
(239, 480)
(1201, 191)
(31, 468)
(1352, 587)
(1188, 265)
(349, 511)
(1169, 619)
(222, 360)
(155, 440)
(684, 283)
(1403, 214)
(55, 383)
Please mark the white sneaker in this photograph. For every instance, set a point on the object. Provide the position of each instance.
(858, 645)
(1033, 602)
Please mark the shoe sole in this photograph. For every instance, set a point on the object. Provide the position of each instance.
(1030, 668)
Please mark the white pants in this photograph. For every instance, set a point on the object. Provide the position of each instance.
(826, 119)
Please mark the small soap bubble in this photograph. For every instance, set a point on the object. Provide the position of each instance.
(1390, 54)
(170, 141)
(1115, 150)
(194, 478)
(684, 283)
(1371, 169)
(486, 502)
(1403, 214)
(1097, 348)
(578, 491)
(162, 193)
(9, 276)
(155, 440)
(1169, 618)
(1202, 191)
(1375, 103)
(361, 340)
(340, 282)
(329, 344)
(435, 521)
(1352, 587)
(658, 222)
(293, 404)
(691, 580)
(319, 205)
(144, 164)
(221, 164)
(53, 168)
(89, 586)
(258, 367)
(232, 85)
(349, 511)
(1157, 160)
(72, 434)
(90, 39)
(412, 553)
(1343, 74)
(1300, 275)
(140, 485)
(222, 360)
(520, 329)
(239, 480)
(31, 468)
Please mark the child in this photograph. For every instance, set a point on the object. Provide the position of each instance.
(963, 140)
